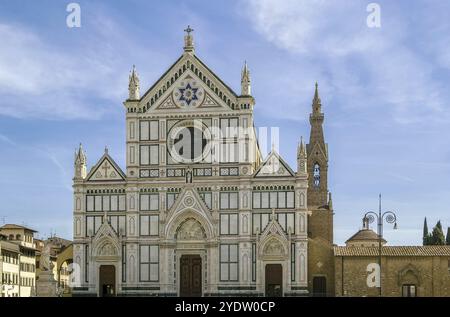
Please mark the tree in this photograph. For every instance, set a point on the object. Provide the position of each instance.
(437, 236)
(448, 236)
(425, 238)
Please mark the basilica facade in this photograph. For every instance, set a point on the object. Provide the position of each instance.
(198, 211)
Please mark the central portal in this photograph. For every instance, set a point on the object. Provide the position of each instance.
(190, 276)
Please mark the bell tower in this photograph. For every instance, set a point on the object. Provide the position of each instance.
(317, 151)
(320, 221)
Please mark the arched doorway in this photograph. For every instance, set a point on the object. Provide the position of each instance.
(107, 280)
(190, 235)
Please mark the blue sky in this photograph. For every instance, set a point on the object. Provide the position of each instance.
(384, 91)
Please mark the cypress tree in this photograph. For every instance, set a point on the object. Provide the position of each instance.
(437, 235)
(425, 238)
(448, 236)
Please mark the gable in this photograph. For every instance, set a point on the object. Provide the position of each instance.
(274, 166)
(106, 170)
(167, 92)
(187, 93)
(188, 205)
(273, 228)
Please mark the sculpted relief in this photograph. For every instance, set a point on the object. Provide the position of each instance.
(273, 247)
(191, 229)
(107, 249)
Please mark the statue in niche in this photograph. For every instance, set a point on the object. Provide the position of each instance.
(189, 176)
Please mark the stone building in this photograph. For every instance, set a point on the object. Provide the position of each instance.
(405, 270)
(198, 211)
(23, 239)
(9, 268)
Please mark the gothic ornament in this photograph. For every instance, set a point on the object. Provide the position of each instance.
(188, 94)
(191, 229)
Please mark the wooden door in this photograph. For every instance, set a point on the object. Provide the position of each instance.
(319, 286)
(191, 276)
(274, 280)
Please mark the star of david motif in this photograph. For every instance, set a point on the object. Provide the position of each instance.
(188, 94)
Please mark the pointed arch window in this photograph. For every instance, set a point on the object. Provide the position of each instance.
(316, 175)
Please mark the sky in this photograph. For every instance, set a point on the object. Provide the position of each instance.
(385, 94)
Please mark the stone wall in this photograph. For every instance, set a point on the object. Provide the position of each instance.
(431, 274)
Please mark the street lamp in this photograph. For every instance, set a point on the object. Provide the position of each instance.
(389, 217)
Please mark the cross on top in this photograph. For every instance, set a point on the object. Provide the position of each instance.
(106, 168)
(188, 30)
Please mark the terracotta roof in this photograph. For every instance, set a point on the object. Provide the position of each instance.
(13, 226)
(364, 235)
(429, 250)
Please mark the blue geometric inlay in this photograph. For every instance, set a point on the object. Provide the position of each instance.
(188, 94)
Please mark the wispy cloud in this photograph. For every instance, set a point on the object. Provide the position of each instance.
(7, 140)
(365, 67)
(40, 152)
(45, 79)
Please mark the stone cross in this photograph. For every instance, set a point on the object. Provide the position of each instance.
(106, 167)
(188, 30)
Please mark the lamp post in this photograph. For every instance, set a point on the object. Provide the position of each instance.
(389, 217)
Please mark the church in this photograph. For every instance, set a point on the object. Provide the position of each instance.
(198, 211)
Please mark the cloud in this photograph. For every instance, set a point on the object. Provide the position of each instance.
(82, 76)
(7, 140)
(375, 70)
(36, 154)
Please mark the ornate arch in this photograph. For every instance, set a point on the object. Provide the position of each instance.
(106, 247)
(273, 248)
(190, 229)
(409, 275)
(174, 224)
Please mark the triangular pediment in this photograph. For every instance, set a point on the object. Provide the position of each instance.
(273, 240)
(189, 199)
(105, 230)
(189, 84)
(274, 166)
(105, 242)
(273, 228)
(106, 169)
(189, 203)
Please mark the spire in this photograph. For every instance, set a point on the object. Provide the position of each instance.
(80, 163)
(80, 155)
(302, 159)
(317, 103)
(189, 40)
(301, 150)
(133, 85)
(246, 89)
